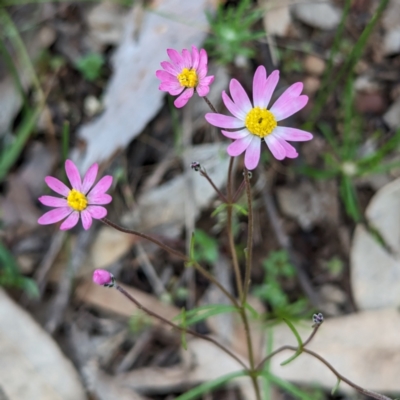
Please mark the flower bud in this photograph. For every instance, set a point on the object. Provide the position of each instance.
(318, 319)
(103, 278)
(195, 165)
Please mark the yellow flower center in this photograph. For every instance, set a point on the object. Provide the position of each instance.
(77, 200)
(260, 122)
(188, 78)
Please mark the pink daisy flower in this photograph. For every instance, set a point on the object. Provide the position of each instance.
(260, 122)
(185, 74)
(79, 201)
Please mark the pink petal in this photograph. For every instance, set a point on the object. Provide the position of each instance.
(253, 152)
(176, 58)
(236, 134)
(97, 212)
(184, 98)
(169, 68)
(165, 76)
(195, 57)
(291, 152)
(73, 175)
(259, 80)
(70, 222)
(277, 150)
(292, 134)
(101, 186)
(224, 121)
(57, 186)
(53, 216)
(203, 59)
(173, 88)
(202, 90)
(239, 146)
(269, 88)
(239, 96)
(89, 178)
(289, 107)
(232, 107)
(101, 198)
(187, 58)
(102, 277)
(86, 219)
(208, 80)
(202, 72)
(53, 201)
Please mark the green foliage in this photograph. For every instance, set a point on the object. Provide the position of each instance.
(231, 30)
(344, 161)
(278, 268)
(205, 247)
(208, 387)
(139, 321)
(90, 66)
(11, 277)
(198, 314)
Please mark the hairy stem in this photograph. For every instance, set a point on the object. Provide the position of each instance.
(213, 109)
(249, 253)
(176, 253)
(232, 248)
(179, 328)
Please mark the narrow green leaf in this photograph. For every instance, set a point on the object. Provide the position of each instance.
(336, 387)
(208, 387)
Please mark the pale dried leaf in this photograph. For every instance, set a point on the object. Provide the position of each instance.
(198, 365)
(163, 207)
(375, 270)
(32, 367)
(338, 341)
(111, 300)
(310, 204)
(132, 98)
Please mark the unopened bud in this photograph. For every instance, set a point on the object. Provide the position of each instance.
(103, 278)
(318, 319)
(195, 165)
(249, 174)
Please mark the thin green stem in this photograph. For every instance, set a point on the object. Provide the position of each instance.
(176, 253)
(232, 248)
(179, 328)
(249, 344)
(249, 253)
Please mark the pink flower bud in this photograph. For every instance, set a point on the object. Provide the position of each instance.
(103, 278)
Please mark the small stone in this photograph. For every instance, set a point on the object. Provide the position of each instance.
(311, 85)
(47, 36)
(319, 15)
(373, 103)
(314, 65)
(92, 106)
(392, 116)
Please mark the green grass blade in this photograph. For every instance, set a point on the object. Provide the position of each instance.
(348, 65)
(349, 197)
(10, 155)
(288, 387)
(208, 387)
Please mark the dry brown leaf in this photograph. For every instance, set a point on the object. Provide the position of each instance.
(32, 367)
